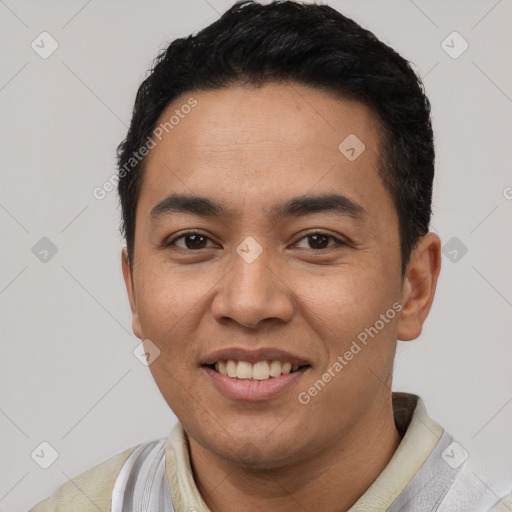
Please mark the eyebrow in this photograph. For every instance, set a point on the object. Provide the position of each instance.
(294, 207)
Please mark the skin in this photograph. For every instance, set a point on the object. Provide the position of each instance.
(249, 149)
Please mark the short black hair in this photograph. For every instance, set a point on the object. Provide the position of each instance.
(309, 44)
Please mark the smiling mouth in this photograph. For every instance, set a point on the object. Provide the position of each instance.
(262, 370)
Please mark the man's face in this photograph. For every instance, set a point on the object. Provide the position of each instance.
(306, 298)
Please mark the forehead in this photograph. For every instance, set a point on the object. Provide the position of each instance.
(250, 145)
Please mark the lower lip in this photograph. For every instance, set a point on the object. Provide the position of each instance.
(253, 390)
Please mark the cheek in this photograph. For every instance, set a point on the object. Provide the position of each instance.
(347, 299)
(345, 312)
(168, 300)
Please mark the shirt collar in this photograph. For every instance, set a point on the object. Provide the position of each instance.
(419, 432)
(420, 435)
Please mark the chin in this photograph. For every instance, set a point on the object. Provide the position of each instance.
(257, 450)
(255, 456)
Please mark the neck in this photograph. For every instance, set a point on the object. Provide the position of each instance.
(332, 481)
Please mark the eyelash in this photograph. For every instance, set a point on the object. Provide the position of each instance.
(188, 233)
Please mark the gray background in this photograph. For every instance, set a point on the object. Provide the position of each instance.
(68, 373)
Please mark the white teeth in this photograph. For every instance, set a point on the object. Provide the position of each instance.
(286, 368)
(275, 368)
(262, 370)
(231, 368)
(221, 367)
(244, 370)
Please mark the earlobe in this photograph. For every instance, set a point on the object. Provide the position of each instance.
(419, 286)
(128, 280)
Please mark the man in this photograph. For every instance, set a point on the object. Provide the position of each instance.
(276, 185)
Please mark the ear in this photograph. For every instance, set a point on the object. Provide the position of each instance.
(128, 281)
(419, 286)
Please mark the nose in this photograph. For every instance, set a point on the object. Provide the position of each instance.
(252, 293)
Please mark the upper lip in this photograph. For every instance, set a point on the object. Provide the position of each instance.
(253, 356)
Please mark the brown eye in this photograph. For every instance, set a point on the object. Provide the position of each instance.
(320, 241)
(191, 240)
